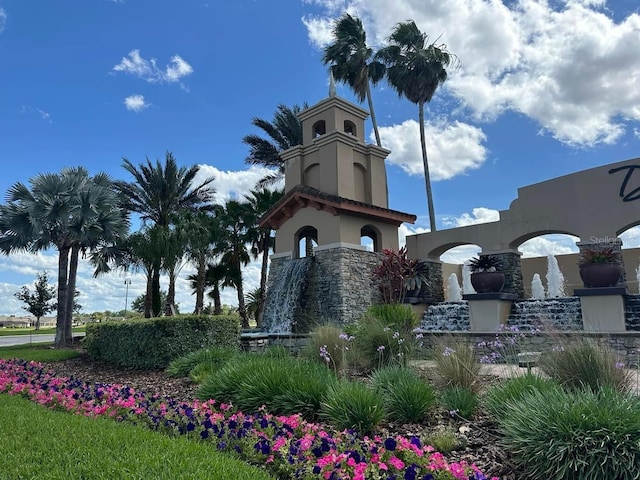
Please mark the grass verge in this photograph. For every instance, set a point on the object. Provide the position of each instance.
(4, 332)
(43, 444)
(37, 353)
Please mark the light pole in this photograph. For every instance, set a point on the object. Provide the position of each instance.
(127, 282)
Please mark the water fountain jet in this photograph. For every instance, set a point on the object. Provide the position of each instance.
(454, 292)
(537, 289)
(555, 278)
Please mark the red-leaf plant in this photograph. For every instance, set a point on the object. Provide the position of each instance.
(397, 274)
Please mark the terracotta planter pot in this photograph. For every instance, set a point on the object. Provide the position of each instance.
(600, 274)
(487, 282)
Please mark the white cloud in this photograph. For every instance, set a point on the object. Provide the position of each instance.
(3, 19)
(233, 184)
(320, 29)
(408, 229)
(567, 65)
(135, 103)
(452, 149)
(545, 244)
(46, 116)
(477, 215)
(631, 238)
(134, 64)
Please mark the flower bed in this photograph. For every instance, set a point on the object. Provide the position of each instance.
(288, 446)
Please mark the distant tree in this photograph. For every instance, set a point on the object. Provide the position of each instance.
(38, 300)
(137, 305)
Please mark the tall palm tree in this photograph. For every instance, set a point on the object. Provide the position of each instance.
(283, 132)
(159, 192)
(415, 69)
(261, 240)
(215, 278)
(232, 246)
(353, 62)
(69, 211)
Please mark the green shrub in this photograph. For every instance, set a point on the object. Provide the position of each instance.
(567, 435)
(397, 316)
(456, 365)
(378, 345)
(202, 371)
(406, 396)
(459, 401)
(326, 346)
(513, 389)
(585, 364)
(352, 405)
(153, 343)
(216, 357)
(283, 385)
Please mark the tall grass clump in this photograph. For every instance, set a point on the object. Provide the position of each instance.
(285, 386)
(327, 345)
(352, 405)
(585, 364)
(511, 390)
(406, 396)
(568, 435)
(456, 365)
(397, 316)
(459, 401)
(215, 357)
(378, 345)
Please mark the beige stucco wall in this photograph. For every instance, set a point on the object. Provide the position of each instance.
(331, 229)
(568, 266)
(589, 204)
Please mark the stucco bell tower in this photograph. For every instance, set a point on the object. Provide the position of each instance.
(335, 195)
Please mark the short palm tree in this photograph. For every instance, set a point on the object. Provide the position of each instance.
(353, 62)
(283, 132)
(235, 220)
(262, 242)
(415, 69)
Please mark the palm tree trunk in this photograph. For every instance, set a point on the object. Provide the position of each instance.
(71, 292)
(217, 302)
(169, 307)
(201, 281)
(263, 281)
(156, 300)
(242, 309)
(374, 122)
(425, 162)
(149, 294)
(63, 265)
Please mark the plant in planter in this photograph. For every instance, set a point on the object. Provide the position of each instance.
(486, 274)
(600, 267)
(398, 277)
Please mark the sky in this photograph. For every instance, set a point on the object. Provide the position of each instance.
(541, 89)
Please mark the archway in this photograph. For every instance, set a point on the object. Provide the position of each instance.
(306, 239)
(370, 238)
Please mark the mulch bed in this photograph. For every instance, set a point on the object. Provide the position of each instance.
(480, 436)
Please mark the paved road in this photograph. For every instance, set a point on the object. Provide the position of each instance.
(24, 339)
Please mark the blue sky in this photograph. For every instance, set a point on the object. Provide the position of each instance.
(544, 88)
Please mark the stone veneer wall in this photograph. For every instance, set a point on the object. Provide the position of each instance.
(343, 285)
(625, 345)
(512, 268)
(435, 289)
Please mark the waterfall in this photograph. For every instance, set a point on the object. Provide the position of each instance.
(454, 292)
(284, 295)
(555, 279)
(537, 289)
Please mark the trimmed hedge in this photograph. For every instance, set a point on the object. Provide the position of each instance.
(153, 343)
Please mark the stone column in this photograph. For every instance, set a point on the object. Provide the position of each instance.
(512, 268)
(435, 290)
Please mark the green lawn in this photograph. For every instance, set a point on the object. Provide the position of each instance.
(33, 331)
(38, 352)
(47, 445)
